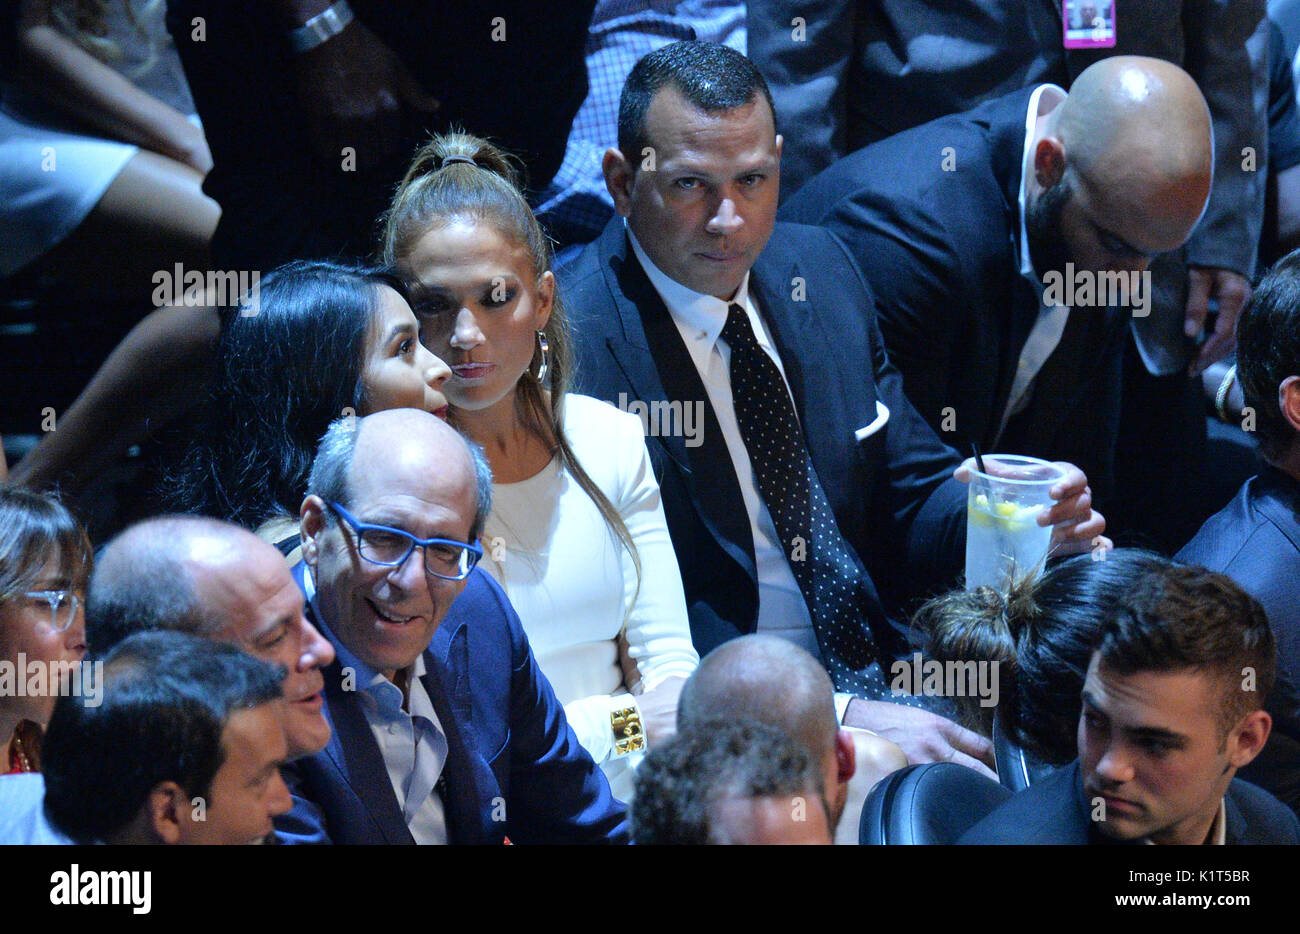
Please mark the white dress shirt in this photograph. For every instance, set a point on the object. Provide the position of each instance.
(700, 319)
(1050, 324)
(410, 738)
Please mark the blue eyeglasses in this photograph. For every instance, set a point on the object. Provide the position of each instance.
(444, 558)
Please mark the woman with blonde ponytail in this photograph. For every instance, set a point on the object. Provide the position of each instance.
(577, 535)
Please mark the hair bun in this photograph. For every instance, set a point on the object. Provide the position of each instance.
(468, 160)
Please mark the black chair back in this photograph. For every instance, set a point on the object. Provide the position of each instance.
(933, 803)
(1017, 769)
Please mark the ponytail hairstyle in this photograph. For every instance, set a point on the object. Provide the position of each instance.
(1041, 633)
(458, 176)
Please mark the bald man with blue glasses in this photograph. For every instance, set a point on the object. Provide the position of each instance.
(422, 751)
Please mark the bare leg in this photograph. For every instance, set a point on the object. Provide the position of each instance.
(153, 216)
(150, 378)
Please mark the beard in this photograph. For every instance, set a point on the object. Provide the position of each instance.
(1047, 249)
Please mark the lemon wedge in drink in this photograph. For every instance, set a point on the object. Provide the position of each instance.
(1007, 515)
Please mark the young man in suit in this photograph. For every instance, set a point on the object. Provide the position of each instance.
(978, 231)
(442, 732)
(814, 500)
(1172, 708)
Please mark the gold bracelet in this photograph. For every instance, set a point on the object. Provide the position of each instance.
(629, 736)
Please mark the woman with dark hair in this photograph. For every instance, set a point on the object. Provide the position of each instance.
(577, 535)
(320, 341)
(45, 561)
(1041, 634)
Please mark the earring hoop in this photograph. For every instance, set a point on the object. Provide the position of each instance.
(544, 368)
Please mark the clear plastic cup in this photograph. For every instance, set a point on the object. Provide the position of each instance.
(1003, 537)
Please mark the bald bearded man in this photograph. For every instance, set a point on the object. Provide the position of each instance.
(1006, 248)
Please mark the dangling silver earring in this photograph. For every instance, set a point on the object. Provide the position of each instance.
(545, 367)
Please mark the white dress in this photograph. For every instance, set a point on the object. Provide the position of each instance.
(574, 584)
(52, 174)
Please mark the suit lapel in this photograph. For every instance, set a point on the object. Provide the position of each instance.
(1006, 132)
(830, 403)
(464, 792)
(355, 753)
(659, 368)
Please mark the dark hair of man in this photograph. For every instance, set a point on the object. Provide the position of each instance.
(680, 782)
(713, 77)
(1180, 618)
(765, 679)
(142, 585)
(1268, 351)
(329, 472)
(285, 370)
(36, 528)
(1041, 634)
(166, 699)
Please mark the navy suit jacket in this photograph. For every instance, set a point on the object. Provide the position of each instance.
(932, 217)
(1054, 811)
(1255, 540)
(510, 751)
(891, 491)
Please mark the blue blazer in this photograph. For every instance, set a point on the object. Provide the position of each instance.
(1053, 811)
(511, 752)
(1255, 540)
(886, 475)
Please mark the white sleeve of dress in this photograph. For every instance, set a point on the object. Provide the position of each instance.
(591, 721)
(657, 633)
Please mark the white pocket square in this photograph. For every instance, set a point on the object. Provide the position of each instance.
(882, 416)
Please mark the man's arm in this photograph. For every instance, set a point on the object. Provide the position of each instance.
(1227, 54)
(352, 87)
(557, 793)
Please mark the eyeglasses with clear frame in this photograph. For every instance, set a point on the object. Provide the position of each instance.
(63, 606)
(444, 558)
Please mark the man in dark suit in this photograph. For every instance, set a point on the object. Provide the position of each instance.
(978, 232)
(443, 732)
(815, 500)
(1172, 708)
(1255, 539)
(850, 73)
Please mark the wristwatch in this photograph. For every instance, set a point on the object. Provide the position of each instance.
(321, 28)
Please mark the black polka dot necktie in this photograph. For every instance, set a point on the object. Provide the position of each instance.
(825, 569)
